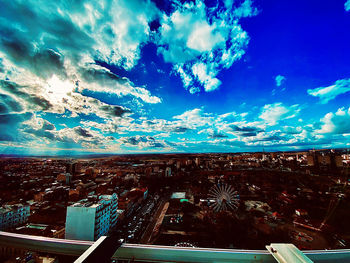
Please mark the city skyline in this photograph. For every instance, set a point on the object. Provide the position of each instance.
(173, 76)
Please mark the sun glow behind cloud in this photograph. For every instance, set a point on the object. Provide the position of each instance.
(58, 89)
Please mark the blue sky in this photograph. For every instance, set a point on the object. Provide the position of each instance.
(173, 76)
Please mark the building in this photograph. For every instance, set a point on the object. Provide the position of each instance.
(168, 172)
(13, 215)
(338, 160)
(178, 164)
(91, 218)
(112, 202)
(197, 161)
(73, 168)
(310, 160)
(68, 178)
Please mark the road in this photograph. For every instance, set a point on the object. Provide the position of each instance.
(147, 235)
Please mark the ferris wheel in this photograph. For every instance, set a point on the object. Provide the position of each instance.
(223, 197)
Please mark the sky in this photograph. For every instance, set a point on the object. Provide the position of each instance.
(132, 76)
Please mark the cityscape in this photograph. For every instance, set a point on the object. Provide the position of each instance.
(174, 131)
(238, 200)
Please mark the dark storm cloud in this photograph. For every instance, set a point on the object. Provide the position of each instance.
(244, 129)
(144, 141)
(33, 100)
(217, 135)
(248, 134)
(82, 132)
(180, 129)
(115, 111)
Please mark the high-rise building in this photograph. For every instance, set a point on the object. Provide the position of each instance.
(69, 167)
(197, 161)
(73, 168)
(13, 215)
(91, 219)
(178, 164)
(336, 161)
(68, 178)
(312, 159)
(167, 172)
(324, 160)
(77, 168)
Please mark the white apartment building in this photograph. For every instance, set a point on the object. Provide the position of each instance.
(91, 219)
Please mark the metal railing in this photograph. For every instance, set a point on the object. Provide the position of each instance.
(154, 253)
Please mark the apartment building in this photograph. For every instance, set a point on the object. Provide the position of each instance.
(13, 215)
(91, 218)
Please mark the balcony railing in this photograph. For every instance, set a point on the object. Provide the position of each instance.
(154, 253)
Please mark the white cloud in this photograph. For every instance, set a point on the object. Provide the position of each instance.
(280, 80)
(187, 79)
(199, 44)
(203, 37)
(40, 130)
(273, 113)
(207, 79)
(331, 92)
(77, 34)
(117, 27)
(336, 123)
(146, 142)
(109, 126)
(195, 118)
(179, 31)
(347, 5)
(246, 10)
(97, 78)
(58, 94)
